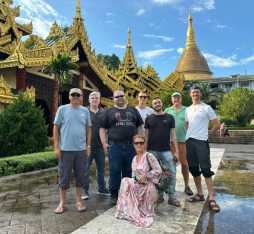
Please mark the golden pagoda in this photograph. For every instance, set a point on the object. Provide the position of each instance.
(192, 63)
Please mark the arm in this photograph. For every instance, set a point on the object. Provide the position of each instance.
(56, 133)
(140, 130)
(88, 141)
(173, 135)
(147, 137)
(216, 126)
(103, 137)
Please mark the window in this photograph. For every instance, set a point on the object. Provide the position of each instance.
(228, 85)
(214, 86)
(244, 84)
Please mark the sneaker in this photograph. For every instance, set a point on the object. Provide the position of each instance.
(85, 196)
(113, 200)
(160, 200)
(104, 192)
(188, 191)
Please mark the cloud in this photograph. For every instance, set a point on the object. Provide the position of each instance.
(151, 54)
(216, 61)
(164, 2)
(109, 21)
(140, 12)
(119, 46)
(164, 38)
(180, 50)
(110, 14)
(202, 5)
(41, 13)
(220, 26)
(247, 60)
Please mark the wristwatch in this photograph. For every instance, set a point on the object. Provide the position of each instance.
(89, 146)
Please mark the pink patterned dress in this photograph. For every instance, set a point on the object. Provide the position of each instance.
(136, 201)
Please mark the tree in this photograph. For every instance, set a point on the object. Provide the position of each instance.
(22, 128)
(62, 67)
(238, 104)
(112, 62)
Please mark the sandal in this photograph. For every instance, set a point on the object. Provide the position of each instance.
(80, 207)
(196, 198)
(174, 202)
(213, 206)
(60, 209)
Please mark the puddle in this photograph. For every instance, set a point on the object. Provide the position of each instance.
(234, 188)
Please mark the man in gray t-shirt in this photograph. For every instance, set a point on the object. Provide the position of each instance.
(72, 138)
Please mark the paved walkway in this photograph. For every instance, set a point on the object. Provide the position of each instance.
(27, 201)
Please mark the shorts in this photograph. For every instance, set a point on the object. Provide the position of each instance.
(182, 152)
(69, 160)
(198, 153)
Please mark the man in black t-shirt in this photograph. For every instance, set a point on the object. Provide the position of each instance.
(159, 128)
(122, 122)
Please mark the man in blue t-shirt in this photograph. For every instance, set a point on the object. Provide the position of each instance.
(72, 138)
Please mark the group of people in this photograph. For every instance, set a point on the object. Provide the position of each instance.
(137, 141)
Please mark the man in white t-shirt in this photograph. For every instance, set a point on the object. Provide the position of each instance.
(197, 117)
(143, 110)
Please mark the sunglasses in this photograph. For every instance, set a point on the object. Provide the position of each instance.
(145, 97)
(75, 95)
(138, 142)
(119, 96)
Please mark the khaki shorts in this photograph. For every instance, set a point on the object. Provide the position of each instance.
(182, 152)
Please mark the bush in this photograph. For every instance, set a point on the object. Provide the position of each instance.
(22, 128)
(25, 163)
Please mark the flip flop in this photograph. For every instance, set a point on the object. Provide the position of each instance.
(60, 209)
(196, 198)
(80, 207)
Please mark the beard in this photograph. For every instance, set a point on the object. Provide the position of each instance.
(158, 109)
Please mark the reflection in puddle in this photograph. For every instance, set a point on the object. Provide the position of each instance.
(234, 188)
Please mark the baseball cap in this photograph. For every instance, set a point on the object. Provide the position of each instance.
(75, 90)
(176, 94)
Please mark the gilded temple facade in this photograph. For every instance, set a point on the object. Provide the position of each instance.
(192, 63)
(21, 63)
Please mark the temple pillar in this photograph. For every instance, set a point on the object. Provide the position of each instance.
(21, 79)
(81, 85)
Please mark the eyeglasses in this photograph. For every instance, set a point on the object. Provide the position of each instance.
(145, 97)
(138, 142)
(119, 96)
(75, 95)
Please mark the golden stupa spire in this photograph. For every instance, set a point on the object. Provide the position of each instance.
(192, 63)
(190, 41)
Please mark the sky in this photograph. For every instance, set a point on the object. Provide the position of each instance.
(223, 28)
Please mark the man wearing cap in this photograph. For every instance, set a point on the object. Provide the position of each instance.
(72, 138)
(122, 122)
(178, 111)
(197, 117)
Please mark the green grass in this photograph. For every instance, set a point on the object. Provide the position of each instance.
(27, 162)
(235, 127)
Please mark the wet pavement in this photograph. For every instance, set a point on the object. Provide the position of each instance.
(27, 201)
(234, 187)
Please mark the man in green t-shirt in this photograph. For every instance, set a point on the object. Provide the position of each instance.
(178, 111)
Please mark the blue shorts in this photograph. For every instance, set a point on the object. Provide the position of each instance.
(69, 160)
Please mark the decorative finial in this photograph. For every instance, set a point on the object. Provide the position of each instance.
(190, 16)
(78, 11)
(191, 41)
(129, 37)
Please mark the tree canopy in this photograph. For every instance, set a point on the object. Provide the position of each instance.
(112, 62)
(238, 104)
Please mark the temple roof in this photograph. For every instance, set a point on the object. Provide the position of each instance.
(192, 61)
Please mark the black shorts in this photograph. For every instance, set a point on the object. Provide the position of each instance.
(198, 153)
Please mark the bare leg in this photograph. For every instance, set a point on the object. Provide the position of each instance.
(78, 195)
(185, 172)
(197, 180)
(62, 197)
(209, 184)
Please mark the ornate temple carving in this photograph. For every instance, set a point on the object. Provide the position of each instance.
(30, 93)
(6, 95)
(192, 63)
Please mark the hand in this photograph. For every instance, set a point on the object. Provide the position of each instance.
(88, 151)
(176, 157)
(105, 147)
(57, 152)
(142, 179)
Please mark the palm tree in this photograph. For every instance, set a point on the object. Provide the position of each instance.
(62, 67)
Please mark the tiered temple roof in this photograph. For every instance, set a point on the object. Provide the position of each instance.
(192, 63)
(37, 52)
